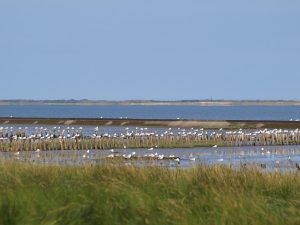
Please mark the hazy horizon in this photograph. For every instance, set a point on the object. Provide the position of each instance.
(154, 100)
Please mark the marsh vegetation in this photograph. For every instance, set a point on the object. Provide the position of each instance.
(130, 195)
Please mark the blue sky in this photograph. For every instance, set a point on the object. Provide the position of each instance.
(158, 49)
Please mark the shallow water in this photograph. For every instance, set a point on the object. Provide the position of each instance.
(156, 112)
(275, 158)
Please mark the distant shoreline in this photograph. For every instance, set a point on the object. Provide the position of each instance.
(152, 102)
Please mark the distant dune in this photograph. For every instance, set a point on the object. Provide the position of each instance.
(153, 102)
(207, 124)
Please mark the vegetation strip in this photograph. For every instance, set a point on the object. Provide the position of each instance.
(70, 138)
(129, 195)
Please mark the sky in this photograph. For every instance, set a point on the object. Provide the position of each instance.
(154, 49)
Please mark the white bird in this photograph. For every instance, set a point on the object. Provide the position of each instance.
(88, 151)
(111, 150)
(220, 160)
(150, 149)
(215, 146)
(191, 157)
(127, 156)
(38, 150)
(160, 157)
(110, 156)
(17, 153)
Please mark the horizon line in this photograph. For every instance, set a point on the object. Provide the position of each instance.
(152, 100)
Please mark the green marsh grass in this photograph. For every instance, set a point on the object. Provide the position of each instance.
(31, 194)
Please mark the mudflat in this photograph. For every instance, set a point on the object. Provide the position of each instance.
(208, 124)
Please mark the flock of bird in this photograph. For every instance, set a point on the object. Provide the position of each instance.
(156, 155)
(237, 137)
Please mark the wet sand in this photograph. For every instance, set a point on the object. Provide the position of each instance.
(207, 124)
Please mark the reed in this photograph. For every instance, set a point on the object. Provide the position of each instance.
(129, 195)
(73, 139)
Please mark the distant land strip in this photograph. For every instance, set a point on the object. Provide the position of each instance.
(85, 102)
(207, 124)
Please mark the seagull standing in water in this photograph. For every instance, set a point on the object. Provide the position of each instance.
(192, 158)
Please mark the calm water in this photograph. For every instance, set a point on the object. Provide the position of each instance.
(279, 158)
(157, 112)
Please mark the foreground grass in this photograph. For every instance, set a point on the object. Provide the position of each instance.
(127, 195)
